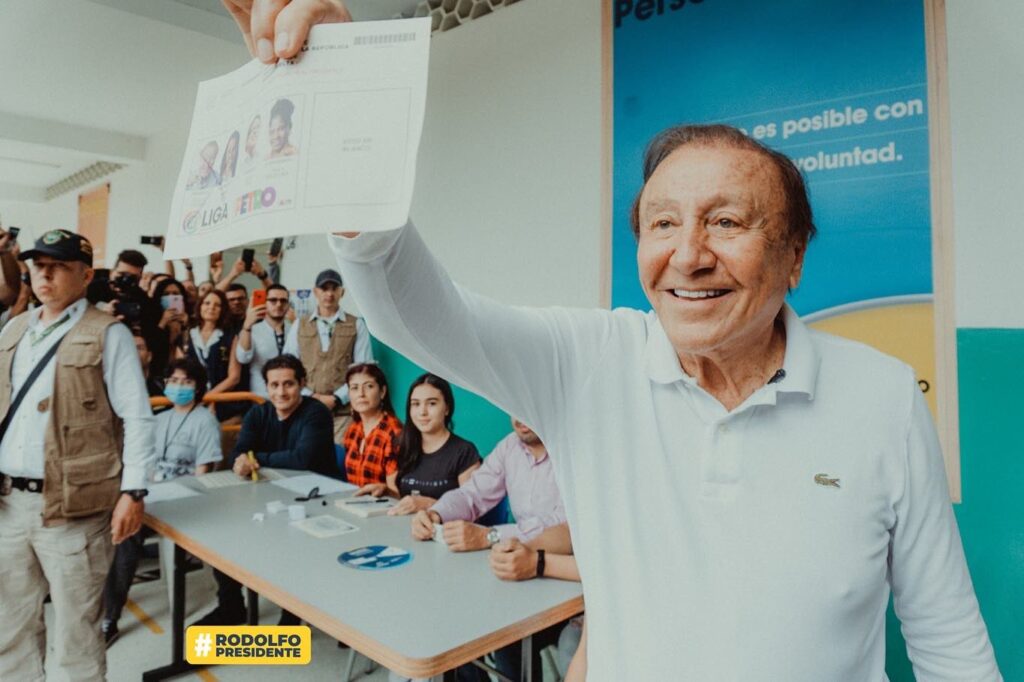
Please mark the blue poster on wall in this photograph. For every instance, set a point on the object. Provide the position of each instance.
(840, 86)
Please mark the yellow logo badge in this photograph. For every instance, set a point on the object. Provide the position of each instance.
(248, 645)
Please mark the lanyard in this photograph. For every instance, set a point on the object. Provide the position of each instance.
(37, 337)
(328, 326)
(167, 441)
(279, 340)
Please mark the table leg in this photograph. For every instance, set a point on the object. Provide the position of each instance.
(526, 675)
(178, 666)
(252, 607)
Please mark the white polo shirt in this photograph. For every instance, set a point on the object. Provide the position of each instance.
(756, 544)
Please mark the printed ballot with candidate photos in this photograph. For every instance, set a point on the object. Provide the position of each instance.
(321, 143)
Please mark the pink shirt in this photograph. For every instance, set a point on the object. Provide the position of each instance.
(509, 469)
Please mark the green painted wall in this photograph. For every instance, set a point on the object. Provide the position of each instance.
(476, 420)
(991, 517)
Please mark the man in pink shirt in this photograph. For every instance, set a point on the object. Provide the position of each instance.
(518, 467)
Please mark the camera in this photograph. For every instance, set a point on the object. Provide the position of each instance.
(123, 288)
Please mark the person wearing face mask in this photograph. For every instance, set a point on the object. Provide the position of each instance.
(187, 442)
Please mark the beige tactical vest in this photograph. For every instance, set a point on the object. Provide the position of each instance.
(84, 438)
(325, 372)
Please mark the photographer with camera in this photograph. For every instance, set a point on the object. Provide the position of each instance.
(119, 292)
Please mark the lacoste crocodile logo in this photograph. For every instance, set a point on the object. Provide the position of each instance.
(823, 479)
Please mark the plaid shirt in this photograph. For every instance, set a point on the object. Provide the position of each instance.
(377, 457)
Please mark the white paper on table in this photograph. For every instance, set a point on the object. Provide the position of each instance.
(221, 479)
(325, 142)
(303, 483)
(170, 490)
(324, 526)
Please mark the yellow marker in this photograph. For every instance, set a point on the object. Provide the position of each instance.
(252, 462)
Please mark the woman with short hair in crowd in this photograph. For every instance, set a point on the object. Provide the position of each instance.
(371, 440)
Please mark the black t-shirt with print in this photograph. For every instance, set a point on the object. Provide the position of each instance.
(438, 472)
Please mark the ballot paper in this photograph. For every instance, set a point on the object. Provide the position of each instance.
(303, 483)
(324, 142)
(324, 526)
(171, 490)
(221, 479)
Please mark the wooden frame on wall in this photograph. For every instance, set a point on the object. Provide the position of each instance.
(943, 283)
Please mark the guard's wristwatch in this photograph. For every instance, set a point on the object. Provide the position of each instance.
(493, 536)
(136, 495)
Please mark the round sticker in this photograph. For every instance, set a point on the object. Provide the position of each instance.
(375, 557)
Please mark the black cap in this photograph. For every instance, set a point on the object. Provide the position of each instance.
(328, 276)
(61, 245)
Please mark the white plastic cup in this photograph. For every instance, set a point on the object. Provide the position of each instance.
(296, 512)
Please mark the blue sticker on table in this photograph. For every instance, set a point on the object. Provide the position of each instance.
(375, 557)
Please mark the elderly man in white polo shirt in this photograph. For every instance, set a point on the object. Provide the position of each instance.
(743, 492)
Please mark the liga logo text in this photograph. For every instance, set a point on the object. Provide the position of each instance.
(248, 645)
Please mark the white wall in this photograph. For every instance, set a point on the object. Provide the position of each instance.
(986, 74)
(508, 186)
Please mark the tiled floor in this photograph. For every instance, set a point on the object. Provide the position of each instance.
(145, 640)
(140, 648)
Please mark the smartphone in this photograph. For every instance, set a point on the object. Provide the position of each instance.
(275, 247)
(13, 231)
(247, 256)
(152, 240)
(259, 297)
(175, 302)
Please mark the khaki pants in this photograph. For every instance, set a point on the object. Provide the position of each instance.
(69, 561)
(341, 422)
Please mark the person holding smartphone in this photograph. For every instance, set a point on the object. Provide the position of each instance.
(263, 334)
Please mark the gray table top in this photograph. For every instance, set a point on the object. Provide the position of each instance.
(431, 614)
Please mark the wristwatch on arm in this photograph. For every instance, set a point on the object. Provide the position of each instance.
(493, 537)
(136, 495)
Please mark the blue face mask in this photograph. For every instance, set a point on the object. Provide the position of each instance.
(180, 395)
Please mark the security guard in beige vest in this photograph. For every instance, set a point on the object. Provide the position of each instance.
(327, 342)
(75, 447)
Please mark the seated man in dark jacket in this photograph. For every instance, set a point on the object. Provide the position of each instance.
(289, 432)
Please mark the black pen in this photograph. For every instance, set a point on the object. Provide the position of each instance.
(374, 500)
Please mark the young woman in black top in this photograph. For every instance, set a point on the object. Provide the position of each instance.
(431, 459)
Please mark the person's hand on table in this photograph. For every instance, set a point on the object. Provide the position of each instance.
(512, 560)
(243, 467)
(423, 524)
(274, 30)
(410, 504)
(463, 536)
(375, 489)
(126, 520)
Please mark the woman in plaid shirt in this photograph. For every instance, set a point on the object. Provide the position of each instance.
(371, 440)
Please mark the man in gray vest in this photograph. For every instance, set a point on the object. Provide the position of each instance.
(327, 342)
(75, 445)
